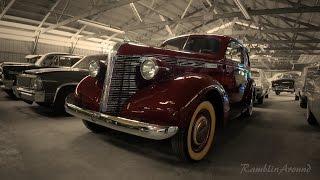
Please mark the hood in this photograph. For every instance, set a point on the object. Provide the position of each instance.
(130, 49)
(50, 70)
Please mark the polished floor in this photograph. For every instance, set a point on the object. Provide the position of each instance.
(35, 144)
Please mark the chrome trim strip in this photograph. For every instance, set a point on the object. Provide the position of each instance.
(61, 86)
(107, 82)
(134, 127)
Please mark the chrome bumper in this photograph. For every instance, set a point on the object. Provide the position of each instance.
(29, 95)
(146, 130)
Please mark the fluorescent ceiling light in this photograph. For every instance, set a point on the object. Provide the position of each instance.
(135, 11)
(242, 9)
(220, 27)
(101, 26)
(247, 25)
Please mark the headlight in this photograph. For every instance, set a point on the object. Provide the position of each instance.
(149, 68)
(37, 83)
(94, 69)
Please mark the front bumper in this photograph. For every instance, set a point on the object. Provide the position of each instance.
(283, 89)
(7, 84)
(29, 95)
(134, 127)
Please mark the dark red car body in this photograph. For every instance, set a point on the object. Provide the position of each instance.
(169, 102)
(184, 80)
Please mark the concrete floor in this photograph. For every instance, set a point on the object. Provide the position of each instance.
(36, 145)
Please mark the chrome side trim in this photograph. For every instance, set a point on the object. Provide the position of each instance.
(134, 127)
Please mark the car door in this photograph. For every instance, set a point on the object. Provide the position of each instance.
(314, 94)
(237, 62)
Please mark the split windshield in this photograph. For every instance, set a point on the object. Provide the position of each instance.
(193, 44)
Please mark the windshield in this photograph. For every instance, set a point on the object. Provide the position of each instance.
(57, 60)
(197, 44)
(84, 62)
(33, 59)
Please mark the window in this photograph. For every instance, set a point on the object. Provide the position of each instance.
(84, 63)
(175, 44)
(235, 52)
(255, 74)
(202, 45)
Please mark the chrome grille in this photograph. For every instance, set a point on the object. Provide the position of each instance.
(25, 81)
(123, 83)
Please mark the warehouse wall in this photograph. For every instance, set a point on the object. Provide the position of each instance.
(15, 51)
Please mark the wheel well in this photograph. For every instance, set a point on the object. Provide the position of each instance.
(65, 88)
(216, 100)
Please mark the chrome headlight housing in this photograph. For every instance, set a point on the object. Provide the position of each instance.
(149, 68)
(94, 68)
(37, 83)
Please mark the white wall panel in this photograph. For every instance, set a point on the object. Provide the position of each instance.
(15, 50)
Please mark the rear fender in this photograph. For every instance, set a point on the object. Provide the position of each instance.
(173, 102)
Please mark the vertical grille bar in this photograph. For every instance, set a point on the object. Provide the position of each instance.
(107, 82)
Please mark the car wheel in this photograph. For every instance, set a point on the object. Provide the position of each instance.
(58, 105)
(296, 98)
(277, 93)
(260, 100)
(96, 128)
(311, 119)
(303, 102)
(43, 104)
(195, 142)
(10, 94)
(249, 110)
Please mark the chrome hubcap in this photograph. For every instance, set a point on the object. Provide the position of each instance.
(201, 131)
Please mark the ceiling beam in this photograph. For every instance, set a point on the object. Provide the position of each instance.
(6, 8)
(275, 30)
(287, 49)
(214, 17)
(282, 41)
(91, 12)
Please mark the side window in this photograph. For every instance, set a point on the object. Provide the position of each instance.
(234, 52)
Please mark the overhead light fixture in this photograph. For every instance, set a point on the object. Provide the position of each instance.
(220, 27)
(135, 11)
(247, 25)
(101, 26)
(242, 9)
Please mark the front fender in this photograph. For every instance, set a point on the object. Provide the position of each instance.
(172, 101)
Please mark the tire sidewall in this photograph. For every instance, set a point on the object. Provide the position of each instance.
(196, 156)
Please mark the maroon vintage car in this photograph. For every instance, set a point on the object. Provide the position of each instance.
(183, 90)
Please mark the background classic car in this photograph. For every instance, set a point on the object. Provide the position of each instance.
(10, 70)
(284, 83)
(50, 86)
(261, 84)
(306, 77)
(312, 94)
(183, 90)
